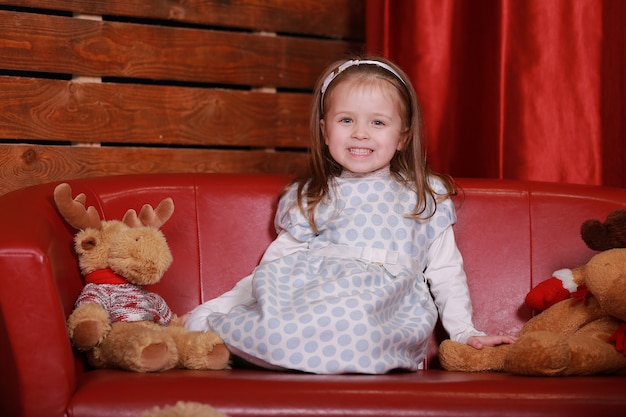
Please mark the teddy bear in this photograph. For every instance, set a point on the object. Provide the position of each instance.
(581, 330)
(115, 320)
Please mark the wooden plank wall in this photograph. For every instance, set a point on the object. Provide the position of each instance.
(101, 87)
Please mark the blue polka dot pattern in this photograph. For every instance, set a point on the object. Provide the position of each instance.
(326, 311)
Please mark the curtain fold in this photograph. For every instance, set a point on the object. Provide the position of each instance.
(532, 89)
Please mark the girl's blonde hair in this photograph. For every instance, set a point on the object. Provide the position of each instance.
(408, 164)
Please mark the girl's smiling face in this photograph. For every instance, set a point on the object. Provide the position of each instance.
(362, 126)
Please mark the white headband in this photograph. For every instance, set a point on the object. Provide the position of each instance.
(334, 73)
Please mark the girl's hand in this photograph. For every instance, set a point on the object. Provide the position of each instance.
(479, 342)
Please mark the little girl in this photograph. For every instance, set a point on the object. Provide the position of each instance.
(365, 257)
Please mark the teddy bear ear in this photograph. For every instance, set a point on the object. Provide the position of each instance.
(608, 235)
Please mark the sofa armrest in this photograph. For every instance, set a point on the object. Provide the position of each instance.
(39, 282)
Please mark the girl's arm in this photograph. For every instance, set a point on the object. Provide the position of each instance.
(448, 284)
(449, 287)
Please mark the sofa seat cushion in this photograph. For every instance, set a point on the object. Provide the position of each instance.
(244, 392)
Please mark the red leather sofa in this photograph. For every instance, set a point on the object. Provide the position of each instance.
(512, 235)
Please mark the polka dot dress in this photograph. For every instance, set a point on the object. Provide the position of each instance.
(356, 301)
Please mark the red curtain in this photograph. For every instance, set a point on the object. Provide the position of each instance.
(532, 89)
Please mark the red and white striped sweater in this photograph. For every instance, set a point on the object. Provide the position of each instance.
(127, 302)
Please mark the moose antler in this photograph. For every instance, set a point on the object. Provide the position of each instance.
(73, 210)
(149, 216)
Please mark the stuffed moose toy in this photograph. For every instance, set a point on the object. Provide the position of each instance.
(116, 321)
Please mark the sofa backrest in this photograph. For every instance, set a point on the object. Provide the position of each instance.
(512, 234)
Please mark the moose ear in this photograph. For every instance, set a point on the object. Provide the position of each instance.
(88, 243)
(73, 210)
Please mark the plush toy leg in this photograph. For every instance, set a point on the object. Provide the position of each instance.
(88, 325)
(139, 346)
(199, 350)
(592, 354)
(541, 353)
(456, 356)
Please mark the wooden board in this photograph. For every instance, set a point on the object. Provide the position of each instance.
(24, 165)
(43, 109)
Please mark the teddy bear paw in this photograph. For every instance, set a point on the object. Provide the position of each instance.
(88, 334)
(155, 357)
(208, 352)
(200, 350)
(456, 356)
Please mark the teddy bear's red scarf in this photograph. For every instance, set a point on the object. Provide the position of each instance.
(104, 276)
(619, 337)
